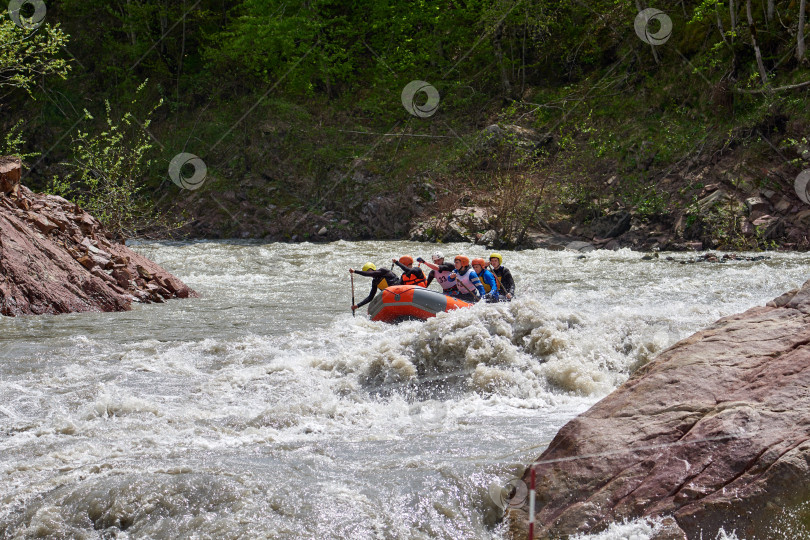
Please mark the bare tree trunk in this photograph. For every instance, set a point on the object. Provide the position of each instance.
(729, 44)
(800, 49)
(762, 73)
(770, 9)
(164, 24)
(506, 88)
(732, 10)
(639, 7)
(132, 37)
(327, 80)
(523, 58)
(182, 52)
(721, 29)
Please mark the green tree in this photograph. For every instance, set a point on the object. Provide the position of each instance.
(344, 47)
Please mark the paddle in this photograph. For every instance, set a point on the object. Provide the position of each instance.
(352, 274)
(466, 290)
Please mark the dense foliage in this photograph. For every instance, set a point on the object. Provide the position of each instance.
(281, 88)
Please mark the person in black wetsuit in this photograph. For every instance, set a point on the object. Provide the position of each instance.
(410, 276)
(506, 285)
(381, 280)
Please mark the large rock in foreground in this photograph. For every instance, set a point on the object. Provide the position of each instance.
(715, 432)
(55, 258)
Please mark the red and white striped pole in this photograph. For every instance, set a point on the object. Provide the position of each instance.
(531, 504)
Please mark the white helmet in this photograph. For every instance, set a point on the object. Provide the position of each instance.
(438, 255)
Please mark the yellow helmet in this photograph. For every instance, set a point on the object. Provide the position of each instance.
(369, 266)
(496, 256)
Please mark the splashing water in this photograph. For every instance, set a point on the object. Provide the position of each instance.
(264, 409)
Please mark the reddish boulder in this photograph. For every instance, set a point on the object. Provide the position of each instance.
(10, 174)
(55, 258)
(715, 432)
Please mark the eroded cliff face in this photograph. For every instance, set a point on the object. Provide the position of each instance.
(715, 432)
(56, 258)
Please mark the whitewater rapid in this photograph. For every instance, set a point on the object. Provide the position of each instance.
(264, 409)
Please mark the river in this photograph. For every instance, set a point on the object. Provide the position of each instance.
(264, 409)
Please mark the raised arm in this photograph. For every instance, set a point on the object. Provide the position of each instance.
(429, 265)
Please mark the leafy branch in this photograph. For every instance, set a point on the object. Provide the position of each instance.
(26, 57)
(107, 168)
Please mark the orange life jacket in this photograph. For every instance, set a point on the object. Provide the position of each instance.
(413, 279)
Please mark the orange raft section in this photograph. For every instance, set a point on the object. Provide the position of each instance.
(405, 302)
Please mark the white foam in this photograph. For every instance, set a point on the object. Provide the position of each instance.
(268, 380)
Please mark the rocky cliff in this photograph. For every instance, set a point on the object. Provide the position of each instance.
(56, 258)
(715, 432)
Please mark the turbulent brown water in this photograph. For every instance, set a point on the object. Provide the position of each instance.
(265, 410)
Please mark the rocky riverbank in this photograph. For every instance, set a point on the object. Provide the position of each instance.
(57, 258)
(712, 433)
(727, 198)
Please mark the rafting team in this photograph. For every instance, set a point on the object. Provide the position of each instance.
(465, 280)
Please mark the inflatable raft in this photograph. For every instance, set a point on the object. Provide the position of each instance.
(407, 302)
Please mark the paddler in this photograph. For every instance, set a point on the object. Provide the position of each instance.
(506, 285)
(440, 271)
(380, 280)
(466, 280)
(487, 280)
(410, 275)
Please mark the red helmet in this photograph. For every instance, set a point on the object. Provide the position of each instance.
(480, 262)
(465, 261)
(407, 260)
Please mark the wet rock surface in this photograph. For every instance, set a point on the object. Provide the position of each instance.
(610, 226)
(56, 258)
(715, 432)
(712, 258)
(353, 207)
(465, 224)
